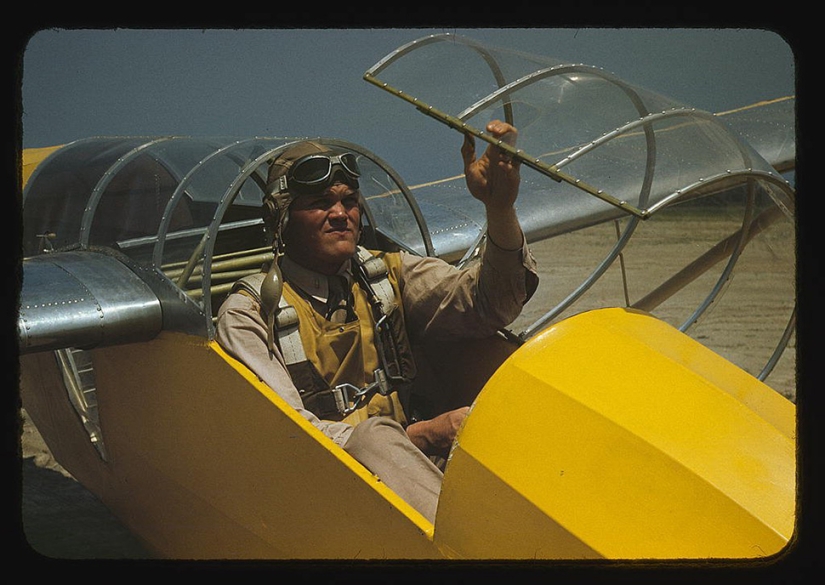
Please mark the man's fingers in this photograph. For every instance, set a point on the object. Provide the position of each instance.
(503, 131)
(468, 148)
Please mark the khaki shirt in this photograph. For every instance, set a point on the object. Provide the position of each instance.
(440, 302)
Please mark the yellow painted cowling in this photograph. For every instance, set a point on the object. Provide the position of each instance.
(612, 434)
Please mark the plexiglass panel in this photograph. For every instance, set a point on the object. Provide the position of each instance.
(60, 189)
(189, 208)
(577, 124)
(633, 199)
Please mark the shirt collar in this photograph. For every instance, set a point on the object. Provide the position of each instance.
(312, 283)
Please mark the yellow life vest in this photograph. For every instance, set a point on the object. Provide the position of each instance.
(330, 363)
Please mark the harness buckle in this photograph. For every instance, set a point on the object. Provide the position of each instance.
(349, 397)
(382, 382)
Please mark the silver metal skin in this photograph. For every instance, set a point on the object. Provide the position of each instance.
(84, 299)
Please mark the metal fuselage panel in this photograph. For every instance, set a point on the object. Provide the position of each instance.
(83, 299)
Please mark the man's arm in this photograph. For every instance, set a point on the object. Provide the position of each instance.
(495, 294)
(494, 180)
(441, 300)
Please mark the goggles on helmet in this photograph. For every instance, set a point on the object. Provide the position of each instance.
(315, 172)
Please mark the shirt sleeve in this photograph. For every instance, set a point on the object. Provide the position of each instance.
(241, 331)
(443, 302)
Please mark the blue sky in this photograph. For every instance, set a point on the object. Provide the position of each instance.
(307, 82)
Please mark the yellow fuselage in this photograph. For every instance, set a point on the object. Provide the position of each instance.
(610, 434)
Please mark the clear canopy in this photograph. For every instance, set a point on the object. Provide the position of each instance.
(609, 157)
(614, 148)
(187, 208)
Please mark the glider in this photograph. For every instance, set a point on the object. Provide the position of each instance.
(598, 433)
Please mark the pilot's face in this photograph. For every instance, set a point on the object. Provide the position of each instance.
(323, 229)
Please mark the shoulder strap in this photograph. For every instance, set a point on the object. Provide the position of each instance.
(251, 285)
(285, 322)
(375, 273)
(289, 337)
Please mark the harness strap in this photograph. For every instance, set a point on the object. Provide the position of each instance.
(289, 338)
(285, 323)
(375, 271)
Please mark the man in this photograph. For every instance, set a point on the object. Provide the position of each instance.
(358, 313)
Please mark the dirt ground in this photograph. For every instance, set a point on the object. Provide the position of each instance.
(743, 325)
